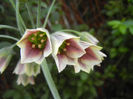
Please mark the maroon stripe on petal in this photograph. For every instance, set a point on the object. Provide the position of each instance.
(20, 68)
(74, 50)
(2, 61)
(62, 61)
(90, 55)
(82, 64)
(31, 52)
(47, 48)
(29, 32)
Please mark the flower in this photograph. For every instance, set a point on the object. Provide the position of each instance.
(26, 72)
(66, 48)
(89, 38)
(29, 69)
(5, 57)
(25, 80)
(35, 45)
(92, 57)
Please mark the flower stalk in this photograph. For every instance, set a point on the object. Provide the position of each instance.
(49, 80)
(49, 11)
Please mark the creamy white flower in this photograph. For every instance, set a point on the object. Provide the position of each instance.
(92, 57)
(5, 57)
(35, 45)
(25, 80)
(29, 69)
(66, 48)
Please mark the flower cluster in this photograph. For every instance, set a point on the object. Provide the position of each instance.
(66, 49)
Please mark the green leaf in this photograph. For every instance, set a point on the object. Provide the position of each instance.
(38, 13)
(131, 29)
(30, 15)
(114, 23)
(9, 37)
(9, 94)
(123, 49)
(122, 28)
(18, 18)
(8, 27)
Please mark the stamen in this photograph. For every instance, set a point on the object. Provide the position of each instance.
(33, 45)
(32, 38)
(64, 49)
(42, 41)
(39, 45)
(35, 34)
(68, 44)
(58, 52)
(41, 35)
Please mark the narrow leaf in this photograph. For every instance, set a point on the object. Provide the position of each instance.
(8, 27)
(9, 37)
(18, 18)
(30, 15)
(49, 11)
(38, 13)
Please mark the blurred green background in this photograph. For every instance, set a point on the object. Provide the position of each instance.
(110, 21)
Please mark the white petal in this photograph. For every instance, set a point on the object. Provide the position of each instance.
(58, 38)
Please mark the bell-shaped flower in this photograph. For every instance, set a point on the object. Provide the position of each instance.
(35, 45)
(92, 57)
(89, 38)
(66, 48)
(5, 57)
(29, 69)
(25, 80)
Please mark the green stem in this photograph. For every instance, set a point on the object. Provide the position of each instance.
(30, 15)
(9, 37)
(18, 18)
(46, 20)
(38, 13)
(22, 21)
(49, 80)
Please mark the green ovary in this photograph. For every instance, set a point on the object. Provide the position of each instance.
(38, 40)
(62, 48)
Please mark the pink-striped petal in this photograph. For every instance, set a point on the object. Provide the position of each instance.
(27, 33)
(20, 68)
(25, 80)
(29, 54)
(74, 50)
(62, 60)
(58, 38)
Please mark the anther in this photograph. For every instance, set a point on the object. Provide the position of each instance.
(42, 41)
(64, 49)
(35, 34)
(33, 45)
(32, 38)
(39, 45)
(41, 35)
(68, 44)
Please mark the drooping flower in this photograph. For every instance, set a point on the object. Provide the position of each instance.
(35, 45)
(25, 80)
(89, 38)
(92, 57)
(66, 48)
(5, 57)
(29, 69)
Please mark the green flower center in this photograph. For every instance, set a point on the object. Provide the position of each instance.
(38, 40)
(62, 48)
